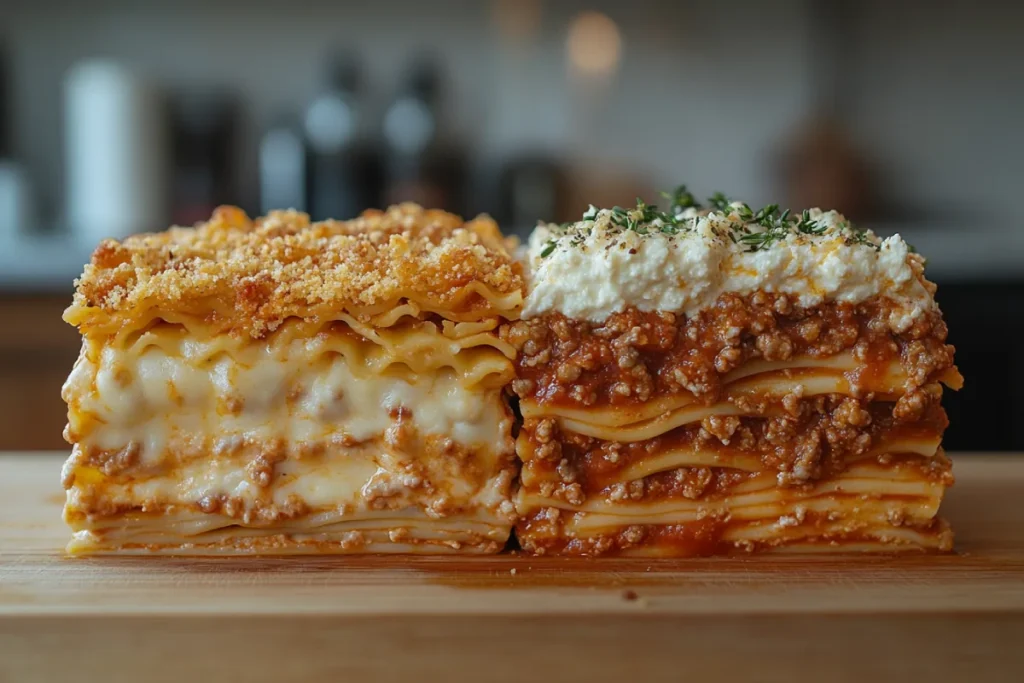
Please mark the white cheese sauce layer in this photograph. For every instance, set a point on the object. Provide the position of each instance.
(161, 399)
(593, 268)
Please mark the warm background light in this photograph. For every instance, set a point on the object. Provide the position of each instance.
(594, 44)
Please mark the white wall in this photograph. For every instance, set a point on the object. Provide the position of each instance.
(939, 101)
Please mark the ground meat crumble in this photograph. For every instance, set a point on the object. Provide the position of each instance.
(816, 441)
(633, 355)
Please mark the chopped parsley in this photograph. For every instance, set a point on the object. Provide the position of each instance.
(680, 200)
(645, 217)
(719, 202)
(776, 225)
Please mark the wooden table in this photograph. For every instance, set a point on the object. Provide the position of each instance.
(857, 618)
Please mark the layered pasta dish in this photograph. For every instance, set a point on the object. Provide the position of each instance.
(709, 380)
(694, 381)
(286, 387)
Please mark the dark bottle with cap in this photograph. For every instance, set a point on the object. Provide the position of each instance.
(342, 172)
(204, 126)
(422, 164)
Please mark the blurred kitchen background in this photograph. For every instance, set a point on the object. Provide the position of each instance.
(123, 116)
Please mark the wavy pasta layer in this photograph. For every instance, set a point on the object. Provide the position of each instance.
(414, 534)
(759, 394)
(873, 501)
(702, 539)
(416, 345)
(748, 496)
(863, 477)
(806, 441)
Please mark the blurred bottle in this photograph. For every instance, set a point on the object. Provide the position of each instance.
(204, 131)
(342, 176)
(17, 214)
(421, 166)
(282, 168)
(117, 161)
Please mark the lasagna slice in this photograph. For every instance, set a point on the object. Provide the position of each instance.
(713, 380)
(276, 386)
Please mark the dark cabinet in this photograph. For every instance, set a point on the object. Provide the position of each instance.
(986, 324)
(37, 350)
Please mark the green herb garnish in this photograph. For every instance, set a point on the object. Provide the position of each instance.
(777, 224)
(809, 226)
(680, 199)
(719, 202)
(859, 236)
(644, 216)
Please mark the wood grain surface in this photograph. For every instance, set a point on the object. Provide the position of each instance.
(819, 618)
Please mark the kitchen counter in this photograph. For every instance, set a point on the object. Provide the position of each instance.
(822, 618)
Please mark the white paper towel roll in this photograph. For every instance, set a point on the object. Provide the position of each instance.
(116, 152)
(17, 217)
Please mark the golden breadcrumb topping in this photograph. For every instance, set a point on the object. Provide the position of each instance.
(244, 275)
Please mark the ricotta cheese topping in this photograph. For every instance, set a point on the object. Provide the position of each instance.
(614, 260)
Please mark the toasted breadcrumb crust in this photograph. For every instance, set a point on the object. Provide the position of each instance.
(248, 276)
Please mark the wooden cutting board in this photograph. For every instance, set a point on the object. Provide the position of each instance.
(855, 618)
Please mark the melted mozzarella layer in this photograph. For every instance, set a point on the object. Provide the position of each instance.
(165, 402)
